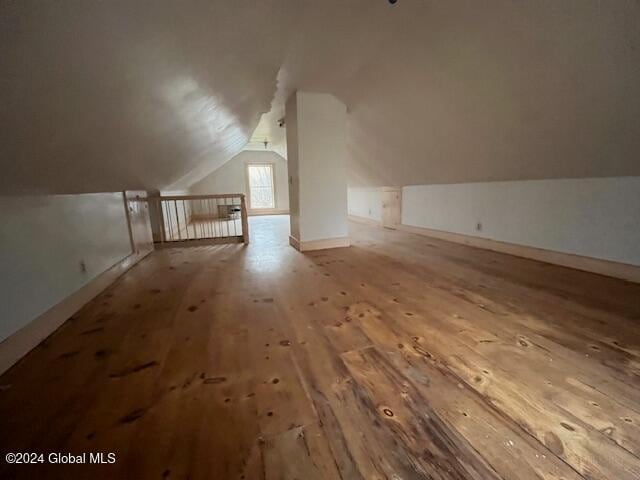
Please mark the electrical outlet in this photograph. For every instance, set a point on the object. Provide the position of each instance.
(479, 226)
(83, 266)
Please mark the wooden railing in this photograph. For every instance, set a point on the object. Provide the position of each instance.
(199, 219)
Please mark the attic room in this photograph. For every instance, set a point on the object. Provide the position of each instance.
(296, 239)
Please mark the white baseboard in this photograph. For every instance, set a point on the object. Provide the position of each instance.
(13, 348)
(199, 242)
(270, 211)
(308, 245)
(365, 220)
(578, 262)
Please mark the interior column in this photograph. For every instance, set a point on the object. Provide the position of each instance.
(317, 156)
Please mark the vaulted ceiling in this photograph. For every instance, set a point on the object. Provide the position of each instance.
(155, 94)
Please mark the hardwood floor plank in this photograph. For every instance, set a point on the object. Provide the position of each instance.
(438, 450)
(401, 357)
(360, 448)
(500, 440)
(302, 452)
(441, 302)
(555, 423)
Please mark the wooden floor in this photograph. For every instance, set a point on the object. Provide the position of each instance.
(401, 357)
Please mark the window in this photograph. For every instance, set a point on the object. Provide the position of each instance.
(261, 190)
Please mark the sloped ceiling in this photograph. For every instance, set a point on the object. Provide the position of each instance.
(103, 96)
(126, 94)
(269, 135)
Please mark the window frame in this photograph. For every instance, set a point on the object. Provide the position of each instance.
(272, 165)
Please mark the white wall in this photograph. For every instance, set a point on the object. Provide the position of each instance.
(365, 202)
(232, 177)
(318, 157)
(43, 241)
(597, 217)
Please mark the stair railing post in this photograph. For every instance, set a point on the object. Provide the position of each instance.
(245, 220)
